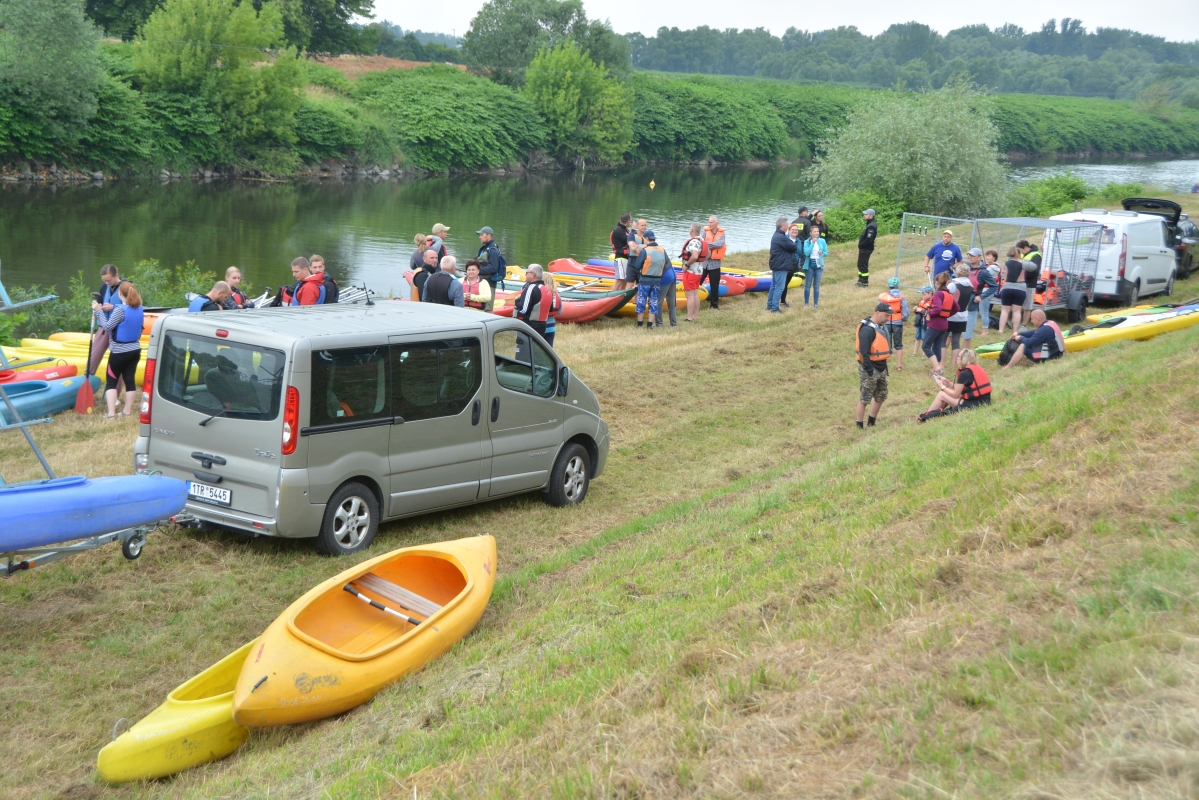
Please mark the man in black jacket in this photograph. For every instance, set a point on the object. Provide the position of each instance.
(491, 263)
(619, 239)
(782, 262)
(866, 248)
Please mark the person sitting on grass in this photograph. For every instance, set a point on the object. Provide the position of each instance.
(1043, 343)
(971, 388)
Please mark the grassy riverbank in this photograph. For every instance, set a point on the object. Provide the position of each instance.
(755, 597)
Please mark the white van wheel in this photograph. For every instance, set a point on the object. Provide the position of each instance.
(351, 519)
(1134, 294)
(570, 477)
(1169, 290)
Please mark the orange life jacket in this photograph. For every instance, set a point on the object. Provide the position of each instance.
(880, 348)
(716, 253)
(896, 304)
(982, 384)
(923, 306)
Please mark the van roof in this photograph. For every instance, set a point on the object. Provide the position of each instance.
(332, 320)
(1108, 218)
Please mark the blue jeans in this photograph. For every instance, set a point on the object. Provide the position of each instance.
(778, 279)
(971, 322)
(984, 311)
(812, 283)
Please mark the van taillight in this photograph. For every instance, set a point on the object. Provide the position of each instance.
(1123, 253)
(147, 391)
(291, 421)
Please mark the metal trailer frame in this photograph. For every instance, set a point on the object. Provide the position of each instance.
(917, 234)
(132, 539)
(1069, 257)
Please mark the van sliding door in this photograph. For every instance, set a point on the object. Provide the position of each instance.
(437, 439)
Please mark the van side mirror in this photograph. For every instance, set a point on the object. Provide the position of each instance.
(563, 381)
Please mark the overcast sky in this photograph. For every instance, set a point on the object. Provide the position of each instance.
(1175, 21)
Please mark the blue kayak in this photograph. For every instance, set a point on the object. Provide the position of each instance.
(34, 399)
(65, 509)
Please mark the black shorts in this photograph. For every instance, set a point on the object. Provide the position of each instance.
(957, 327)
(122, 366)
(1012, 296)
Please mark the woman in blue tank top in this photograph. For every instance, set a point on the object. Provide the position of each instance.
(124, 324)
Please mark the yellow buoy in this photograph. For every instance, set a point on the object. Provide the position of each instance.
(651, 184)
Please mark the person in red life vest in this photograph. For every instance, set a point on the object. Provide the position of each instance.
(318, 268)
(943, 307)
(971, 388)
(694, 254)
(619, 239)
(551, 323)
(899, 314)
(237, 298)
(872, 348)
(309, 288)
(535, 300)
(1043, 343)
(476, 292)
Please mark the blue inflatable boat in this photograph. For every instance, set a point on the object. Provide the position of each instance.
(34, 399)
(64, 509)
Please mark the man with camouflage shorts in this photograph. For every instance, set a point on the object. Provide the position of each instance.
(873, 348)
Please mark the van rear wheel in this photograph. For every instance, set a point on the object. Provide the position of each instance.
(570, 477)
(351, 519)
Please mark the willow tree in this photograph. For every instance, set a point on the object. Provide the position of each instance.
(933, 153)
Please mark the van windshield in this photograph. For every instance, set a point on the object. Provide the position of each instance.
(210, 375)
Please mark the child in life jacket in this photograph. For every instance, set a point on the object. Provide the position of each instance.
(893, 327)
(921, 312)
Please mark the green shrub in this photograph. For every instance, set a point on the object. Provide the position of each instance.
(329, 127)
(442, 118)
(187, 132)
(1033, 124)
(896, 146)
(328, 77)
(166, 287)
(845, 220)
(1043, 197)
(121, 132)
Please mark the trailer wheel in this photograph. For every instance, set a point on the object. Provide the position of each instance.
(1079, 314)
(131, 548)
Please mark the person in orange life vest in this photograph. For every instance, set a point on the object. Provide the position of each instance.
(971, 388)
(1043, 343)
(714, 236)
(693, 271)
(476, 292)
(899, 315)
(308, 290)
(535, 301)
(551, 322)
(332, 291)
(237, 298)
(872, 348)
(921, 312)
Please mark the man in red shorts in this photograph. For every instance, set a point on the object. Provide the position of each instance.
(693, 271)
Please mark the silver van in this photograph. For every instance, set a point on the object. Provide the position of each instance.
(322, 421)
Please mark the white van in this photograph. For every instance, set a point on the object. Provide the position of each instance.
(1134, 257)
(322, 421)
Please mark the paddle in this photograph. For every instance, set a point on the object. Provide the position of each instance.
(85, 400)
(379, 606)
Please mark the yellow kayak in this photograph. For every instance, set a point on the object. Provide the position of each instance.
(194, 726)
(77, 359)
(1137, 328)
(78, 337)
(353, 635)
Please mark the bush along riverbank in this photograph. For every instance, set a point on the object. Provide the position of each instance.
(440, 119)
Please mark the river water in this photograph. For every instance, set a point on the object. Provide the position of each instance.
(364, 228)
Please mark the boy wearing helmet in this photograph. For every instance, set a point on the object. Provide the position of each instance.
(895, 319)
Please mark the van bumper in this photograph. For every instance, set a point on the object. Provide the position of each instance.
(295, 517)
(601, 448)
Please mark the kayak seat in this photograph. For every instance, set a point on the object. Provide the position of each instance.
(411, 601)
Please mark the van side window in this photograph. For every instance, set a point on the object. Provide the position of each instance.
(349, 385)
(435, 379)
(522, 365)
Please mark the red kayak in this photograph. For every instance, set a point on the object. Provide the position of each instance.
(579, 310)
(43, 374)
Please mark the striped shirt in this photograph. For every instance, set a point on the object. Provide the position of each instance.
(115, 318)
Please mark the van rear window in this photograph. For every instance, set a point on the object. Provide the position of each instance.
(211, 375)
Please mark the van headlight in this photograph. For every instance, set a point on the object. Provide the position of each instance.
(141, 462)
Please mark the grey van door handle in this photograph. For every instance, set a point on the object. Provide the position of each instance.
(475, 413)
(495, 409)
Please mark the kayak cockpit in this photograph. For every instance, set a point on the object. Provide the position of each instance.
(219, 679)
(417, 586)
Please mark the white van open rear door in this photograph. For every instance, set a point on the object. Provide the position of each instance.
(1148, 255)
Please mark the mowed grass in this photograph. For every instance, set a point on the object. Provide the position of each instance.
(756, 597)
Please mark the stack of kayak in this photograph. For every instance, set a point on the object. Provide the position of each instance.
(332, 650)
(68, 350)
(35, 398)
(1137, 325)
(759, 281)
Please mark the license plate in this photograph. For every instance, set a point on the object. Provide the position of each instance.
(209, 494)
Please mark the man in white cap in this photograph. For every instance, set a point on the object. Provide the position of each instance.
(944, 256)
(866, 248)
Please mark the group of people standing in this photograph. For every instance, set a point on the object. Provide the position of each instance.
(641, 261)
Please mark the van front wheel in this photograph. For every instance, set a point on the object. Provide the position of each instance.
(351, 519)
(570, 477)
